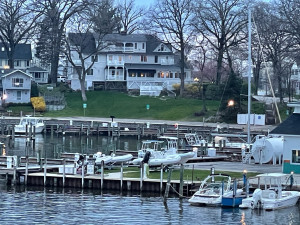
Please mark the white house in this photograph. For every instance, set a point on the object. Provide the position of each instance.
(289, 129)
(16, 86)
(295, 78)
(38, 74)
(133, 62)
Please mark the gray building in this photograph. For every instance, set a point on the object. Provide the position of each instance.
(132, 62)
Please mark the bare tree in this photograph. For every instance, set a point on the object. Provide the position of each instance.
(83, 45)
(221, 23)
(58, 13)
(17, 24)
(171, 19)
(130, 16)
(278, 44)
(290, 10)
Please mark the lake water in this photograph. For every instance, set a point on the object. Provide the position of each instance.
(34, 205)
(39, 205)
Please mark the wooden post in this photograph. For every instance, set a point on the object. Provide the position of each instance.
(161, 176)
(181, 181)
(45, 172)
(121, 177)
(102, 174)
(64, 172)
(26, 171)
(82, 174)
(142, 174)
(168, 185)
(15, 176)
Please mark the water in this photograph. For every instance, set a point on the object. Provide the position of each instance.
(39, 205)
(35, 205)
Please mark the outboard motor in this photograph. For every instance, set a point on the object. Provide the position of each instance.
(146, 157)
(256, 203)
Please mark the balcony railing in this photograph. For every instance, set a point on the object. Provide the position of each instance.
(167, 61)
(115, 63)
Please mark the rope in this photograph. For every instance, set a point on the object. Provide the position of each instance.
(176, 191)
(268, 74)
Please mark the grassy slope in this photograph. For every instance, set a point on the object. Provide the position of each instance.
(120, 105)
(105, 104)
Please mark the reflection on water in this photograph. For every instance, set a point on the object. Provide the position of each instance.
(36, 205)
(32, 205)
(51, 146)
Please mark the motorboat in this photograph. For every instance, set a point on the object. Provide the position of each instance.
(272, 196)
(211, 190)
(161, 152)
(36, 124)
(235, 197)
(111, 159)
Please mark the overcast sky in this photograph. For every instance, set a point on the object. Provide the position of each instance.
(144, 2)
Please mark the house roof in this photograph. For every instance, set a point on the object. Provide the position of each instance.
(289, 127)
(22, 51)
(36, 69)
(5, 73)
(88, 44)
(84, 41)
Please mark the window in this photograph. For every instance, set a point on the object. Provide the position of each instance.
(135, 45)
(94, 58)
(113, 72)
(143, 46)
(19, 95)
(143, 58)
(17, 63)
(37, 75)
(28, 63)
(156, 59)
(162, 48)
(171, 75)
(90, 72)
(120, 58)
(295, 156)
(17, 82)
(110, 57)
(2, 49)
(132, 74)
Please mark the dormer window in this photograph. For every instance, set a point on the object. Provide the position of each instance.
(162, 48)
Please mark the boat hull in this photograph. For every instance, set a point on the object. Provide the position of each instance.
(22, 129)
(290, 198)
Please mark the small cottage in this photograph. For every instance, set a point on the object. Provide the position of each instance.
(16, 86)
(290, 130)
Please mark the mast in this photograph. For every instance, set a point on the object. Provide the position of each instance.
(249, 75)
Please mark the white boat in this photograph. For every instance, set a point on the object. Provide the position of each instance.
(111, 159)
(161, 152)
(212, 189)
(28, 122)
(272, 196)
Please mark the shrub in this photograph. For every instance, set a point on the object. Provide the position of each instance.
(38, 104)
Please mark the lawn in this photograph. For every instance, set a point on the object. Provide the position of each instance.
(121, 105)
(189, 174)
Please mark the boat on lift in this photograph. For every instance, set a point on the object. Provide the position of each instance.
(272, 196)
(161, 152)
(111, 159)
(27, 123)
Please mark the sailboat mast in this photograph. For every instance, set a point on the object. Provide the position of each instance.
(249, 74)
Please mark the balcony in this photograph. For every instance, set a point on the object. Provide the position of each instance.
(167, 61)
(115, 63)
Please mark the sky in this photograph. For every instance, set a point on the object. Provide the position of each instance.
(144, 2)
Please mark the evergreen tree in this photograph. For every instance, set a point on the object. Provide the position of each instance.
(230, 103)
